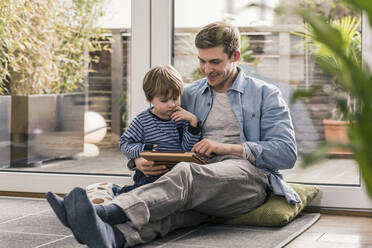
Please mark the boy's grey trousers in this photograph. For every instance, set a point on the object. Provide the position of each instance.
(190, 194)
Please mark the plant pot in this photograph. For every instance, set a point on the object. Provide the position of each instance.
(5, 103)
(45, 127)
(336, 132)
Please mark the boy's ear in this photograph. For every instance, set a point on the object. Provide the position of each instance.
(147, 100)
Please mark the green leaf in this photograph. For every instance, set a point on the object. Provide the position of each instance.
(302, 94)
(317, 155)
(364, 5)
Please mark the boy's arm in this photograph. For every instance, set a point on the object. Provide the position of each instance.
(182, 114)
(190, 136)
(191, 130)
(132, 140)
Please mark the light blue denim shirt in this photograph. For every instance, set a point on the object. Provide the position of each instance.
(264, 122)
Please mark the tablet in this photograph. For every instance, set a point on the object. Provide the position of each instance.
(170, 159)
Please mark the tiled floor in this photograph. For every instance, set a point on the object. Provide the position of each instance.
(29, 223)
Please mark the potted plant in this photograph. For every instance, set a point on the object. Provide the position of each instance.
(44, 53)
(335, 129)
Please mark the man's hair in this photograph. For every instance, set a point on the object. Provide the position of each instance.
(217, 34)
(162, 81)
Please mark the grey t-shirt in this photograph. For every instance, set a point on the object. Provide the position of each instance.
(221, 124)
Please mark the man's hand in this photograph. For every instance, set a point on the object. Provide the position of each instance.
(181, 114)
(148, 168)
(208, 147)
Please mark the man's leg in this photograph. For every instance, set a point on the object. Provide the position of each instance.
(161, 227)
(86, 225)
(110, 214)
(58, 207)
(224, 189)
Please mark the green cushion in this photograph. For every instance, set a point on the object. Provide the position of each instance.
(276, 211)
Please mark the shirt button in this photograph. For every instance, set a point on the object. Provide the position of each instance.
(209, 104)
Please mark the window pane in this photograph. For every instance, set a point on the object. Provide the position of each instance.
(76, 134)
(272, 52)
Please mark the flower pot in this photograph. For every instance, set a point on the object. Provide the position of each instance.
(336, 132)
(45, 127)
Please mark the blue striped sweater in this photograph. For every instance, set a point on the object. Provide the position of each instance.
(147, 130)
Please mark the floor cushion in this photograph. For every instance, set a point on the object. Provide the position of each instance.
(276, 211)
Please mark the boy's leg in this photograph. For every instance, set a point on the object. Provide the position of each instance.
(86, 225)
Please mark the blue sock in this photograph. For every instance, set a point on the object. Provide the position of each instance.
(111, 214)
(86, 225)
(58, 207)
(56, 203)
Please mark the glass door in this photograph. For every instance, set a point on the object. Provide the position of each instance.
(111, 95)
(272, 52)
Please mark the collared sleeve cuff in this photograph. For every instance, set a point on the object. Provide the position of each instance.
(282, 188)
(131, 165)
(248, 154)
(148, 147)
(194, 130)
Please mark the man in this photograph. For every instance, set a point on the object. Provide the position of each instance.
(248, 137)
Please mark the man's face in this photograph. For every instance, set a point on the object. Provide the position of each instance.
(217, 67)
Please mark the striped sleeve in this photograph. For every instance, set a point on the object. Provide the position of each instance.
(190, 136)
(132, 140)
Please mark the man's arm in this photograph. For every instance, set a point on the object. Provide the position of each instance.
(277, 146)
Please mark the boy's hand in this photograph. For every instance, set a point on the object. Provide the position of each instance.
(181, 114)
(148, 168)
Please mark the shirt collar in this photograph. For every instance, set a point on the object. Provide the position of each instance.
(238, 84)
(206, 87)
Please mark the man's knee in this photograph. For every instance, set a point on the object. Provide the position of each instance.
(182, 169)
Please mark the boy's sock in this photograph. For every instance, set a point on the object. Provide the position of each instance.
(86, 225)
(111, 214)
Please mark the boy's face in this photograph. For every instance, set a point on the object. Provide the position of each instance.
(164, 106)
(217, 66)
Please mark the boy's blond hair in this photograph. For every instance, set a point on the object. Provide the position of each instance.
(219, 34)
(162, 81)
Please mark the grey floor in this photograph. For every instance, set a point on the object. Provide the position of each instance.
(30, 223)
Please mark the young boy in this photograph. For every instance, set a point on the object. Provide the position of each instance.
(164, 126)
